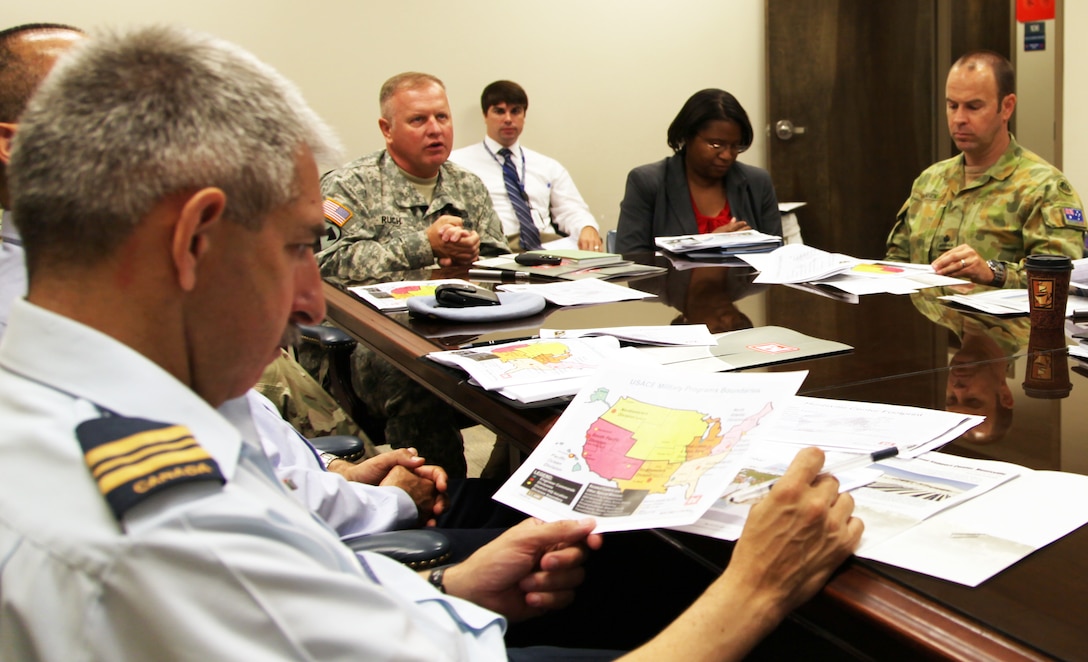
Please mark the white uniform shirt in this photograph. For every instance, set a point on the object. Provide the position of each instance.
(553, 198)
(351, 509)
(198, 571)
(12, 268)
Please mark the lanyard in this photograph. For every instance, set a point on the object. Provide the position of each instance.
(521, 177)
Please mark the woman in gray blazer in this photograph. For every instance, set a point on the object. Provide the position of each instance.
(701, 187)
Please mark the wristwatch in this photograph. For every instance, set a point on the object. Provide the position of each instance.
(437, 578)
(327, 458)
(999, 272)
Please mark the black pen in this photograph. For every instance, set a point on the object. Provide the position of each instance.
(857, 462)
(1080, 315)
(491, 343)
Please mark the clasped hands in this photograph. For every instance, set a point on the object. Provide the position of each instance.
(451, 243)
(426, 484)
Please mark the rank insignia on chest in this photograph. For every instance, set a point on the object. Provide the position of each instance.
(1073, 216)
(134, 458)
(335, 213)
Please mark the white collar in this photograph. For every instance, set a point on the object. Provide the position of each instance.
(76, 359)
(7, 227)
(495, 146)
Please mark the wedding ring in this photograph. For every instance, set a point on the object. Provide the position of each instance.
(963, 263)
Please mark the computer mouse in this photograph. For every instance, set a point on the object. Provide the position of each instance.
(457, 295)
(537, 259)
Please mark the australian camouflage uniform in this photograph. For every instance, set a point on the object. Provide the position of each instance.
(1019, 206)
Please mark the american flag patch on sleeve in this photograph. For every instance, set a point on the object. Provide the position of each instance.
(1073, 216)
(338, 214)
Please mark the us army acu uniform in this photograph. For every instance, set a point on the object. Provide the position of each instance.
(303, 402)
(1019, 206)
(378, 223)
(379, 220)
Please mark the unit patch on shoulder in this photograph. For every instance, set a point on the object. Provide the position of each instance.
(1073, 216)
(133, 458)
(336, 213)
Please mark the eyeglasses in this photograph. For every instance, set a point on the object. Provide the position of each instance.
(718, 147)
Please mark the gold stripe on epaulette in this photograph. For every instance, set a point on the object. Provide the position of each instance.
(120, 476)
(135, 442)
(140, 454)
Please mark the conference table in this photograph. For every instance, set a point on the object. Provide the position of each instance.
(907, 350)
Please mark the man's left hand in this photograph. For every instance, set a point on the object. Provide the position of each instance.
(590, 240)
(531, 568)
(403, 468)
(964, 262)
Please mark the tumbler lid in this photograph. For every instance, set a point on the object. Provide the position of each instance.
(1048, 263)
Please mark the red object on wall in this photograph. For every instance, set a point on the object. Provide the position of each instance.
(1034, 10)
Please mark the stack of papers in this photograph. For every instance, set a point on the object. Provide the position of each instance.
(605, 266)
(719, 244)
(539, 368)
(393, 297)
(797, 263)
(579, 292)
(640, 450)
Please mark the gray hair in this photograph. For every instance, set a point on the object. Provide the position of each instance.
(133, 117)
(409, 80)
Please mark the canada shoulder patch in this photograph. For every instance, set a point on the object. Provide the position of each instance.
(134, 458)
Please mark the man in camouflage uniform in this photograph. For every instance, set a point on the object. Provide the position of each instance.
(979, 214)
(403, 208)
(303, 402)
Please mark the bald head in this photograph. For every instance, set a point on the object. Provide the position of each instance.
(27, 53)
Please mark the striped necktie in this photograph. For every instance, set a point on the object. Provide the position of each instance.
(529, 234)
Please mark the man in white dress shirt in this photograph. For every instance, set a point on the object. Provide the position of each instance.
(553, 200)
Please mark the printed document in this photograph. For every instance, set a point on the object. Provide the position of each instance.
(639, 450)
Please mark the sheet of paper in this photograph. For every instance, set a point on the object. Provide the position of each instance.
(393, 297)
(1010, 302)
(639, 450)
(666, 335)
(910, 491)
(766, 461)
(528, 361)
(863, 427)
(977, 539)
(540, 391)
(797, 263)
(904, 282)
(579, 292)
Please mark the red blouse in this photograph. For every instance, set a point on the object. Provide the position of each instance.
(707, 224)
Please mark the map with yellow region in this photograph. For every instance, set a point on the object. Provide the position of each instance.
(642, 446)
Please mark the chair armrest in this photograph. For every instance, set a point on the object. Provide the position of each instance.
(328, 337)
(416, 548)
(343, 446)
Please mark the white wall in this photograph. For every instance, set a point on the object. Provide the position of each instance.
(1075, 98)
(604, 77)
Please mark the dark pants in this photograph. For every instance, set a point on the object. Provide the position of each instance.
(635, 585)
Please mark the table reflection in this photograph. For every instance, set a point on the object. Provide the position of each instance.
(981, 366)
(706, 295)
